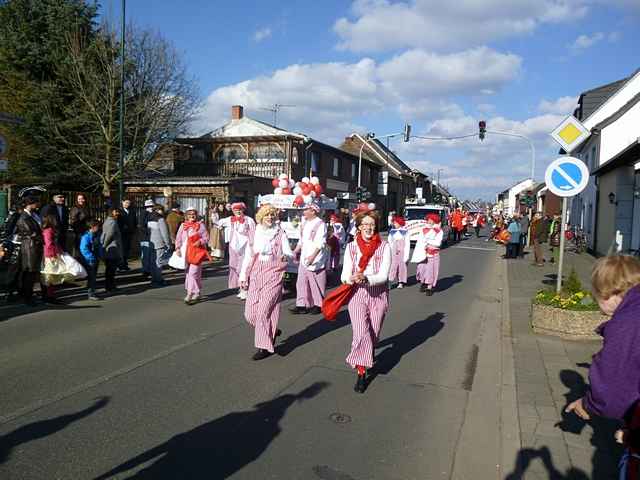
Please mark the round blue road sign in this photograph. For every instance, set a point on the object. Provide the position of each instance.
(567, 176)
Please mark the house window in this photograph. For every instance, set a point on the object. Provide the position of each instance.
(315, 162)
(230, 153)
(354, 170)
(267, 153)
(336, 167)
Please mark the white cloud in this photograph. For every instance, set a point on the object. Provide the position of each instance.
(262, 34)
(563, 105)
(328, 96)
(380, 25)
(585, 41)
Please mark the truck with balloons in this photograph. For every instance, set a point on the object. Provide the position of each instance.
(291, 197)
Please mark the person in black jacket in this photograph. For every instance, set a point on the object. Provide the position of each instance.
(9, 255)
(61, 211)
(79, 217)
(31, 248)
(128, 223)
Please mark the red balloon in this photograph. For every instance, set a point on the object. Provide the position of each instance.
(318, 188)
(306, 189)
(286, 191)
(275, 182)
(298, 201)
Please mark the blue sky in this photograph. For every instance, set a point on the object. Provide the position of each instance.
(371, 65)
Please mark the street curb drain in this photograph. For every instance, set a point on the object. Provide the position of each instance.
(338, 417)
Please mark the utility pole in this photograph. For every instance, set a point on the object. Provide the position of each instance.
(121, 159)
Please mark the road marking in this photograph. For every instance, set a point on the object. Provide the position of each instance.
(476, 248)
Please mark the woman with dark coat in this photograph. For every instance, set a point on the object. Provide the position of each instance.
(31, 248)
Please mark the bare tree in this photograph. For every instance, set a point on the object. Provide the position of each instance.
(160, 101)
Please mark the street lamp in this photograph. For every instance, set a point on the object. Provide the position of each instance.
(406, 133)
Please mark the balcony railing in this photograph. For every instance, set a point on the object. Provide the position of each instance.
(231, 169)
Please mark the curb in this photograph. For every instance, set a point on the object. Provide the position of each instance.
(510, 442)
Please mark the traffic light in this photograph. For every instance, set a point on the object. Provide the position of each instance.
(407, 132)
(482, 129)
(359, 192)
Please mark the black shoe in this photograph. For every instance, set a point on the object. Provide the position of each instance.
(429, 292)
(361, 384)
(423, 287)
(261, 354)
(315, 310)
(298, 310)
(278, 333)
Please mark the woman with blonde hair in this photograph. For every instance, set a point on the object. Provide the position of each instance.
(261, 275)
(366, 265)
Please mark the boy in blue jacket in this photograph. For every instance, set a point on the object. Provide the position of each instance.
(90, 249)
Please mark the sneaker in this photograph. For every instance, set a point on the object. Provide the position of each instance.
(187, 299)
(401, 285)
(194, 299)
(93, 297)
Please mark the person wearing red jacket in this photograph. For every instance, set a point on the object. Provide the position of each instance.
(456, 224)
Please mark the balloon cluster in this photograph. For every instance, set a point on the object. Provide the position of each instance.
(305, 190)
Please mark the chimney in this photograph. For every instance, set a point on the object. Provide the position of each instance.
(237, 112)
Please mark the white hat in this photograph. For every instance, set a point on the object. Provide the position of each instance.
(191, 208)
(148, 203)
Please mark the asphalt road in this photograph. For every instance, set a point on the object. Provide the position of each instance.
(142, 386)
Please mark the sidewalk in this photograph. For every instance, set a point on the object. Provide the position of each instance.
(550, 373)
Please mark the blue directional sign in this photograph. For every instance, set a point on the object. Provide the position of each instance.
(567, 176)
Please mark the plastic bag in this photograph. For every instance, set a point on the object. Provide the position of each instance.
(74, 267)
(178, 261)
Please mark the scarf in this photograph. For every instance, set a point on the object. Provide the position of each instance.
(239, 219)
(427, 230)
(195, 225)
(368, 250)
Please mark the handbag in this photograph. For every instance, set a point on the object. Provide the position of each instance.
(178, 261)
(196, 253)
(335, 300)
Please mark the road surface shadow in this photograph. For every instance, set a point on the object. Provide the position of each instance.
(607, 452)
(43, 428)
(527, 455)
(15, 310)
(219, 448)
(404, 342)
(447, 282)
(311, 333)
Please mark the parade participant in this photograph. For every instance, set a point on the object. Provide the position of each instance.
(31, 248)
(216, 232)
(477, 223)
(367, 262)
(262, 274)
(193, 234)
(456, 224)
(399, 241)
(334, 250)
(240, 230)
(338, 229)
(54, 271)
(466, 220)
(312, 275)
(427, 254)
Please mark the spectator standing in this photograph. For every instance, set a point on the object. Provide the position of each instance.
(31, 248)
(111, 241)
(91, 251)
(539, 235)
(78, 218)
(10, 258)
(554, 238)
(174, 219)
(127, 222)
(216, 232)
(514, 241)
(524, 234)
(61, 212)
(145, 253)
(159, 245)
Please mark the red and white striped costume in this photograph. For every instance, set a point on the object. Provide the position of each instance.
(400, 249)
(369, 302)
(263, 267)
(427, 255)
(312, 278)
(240, 235)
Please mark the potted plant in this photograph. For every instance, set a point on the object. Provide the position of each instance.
(572, 314)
